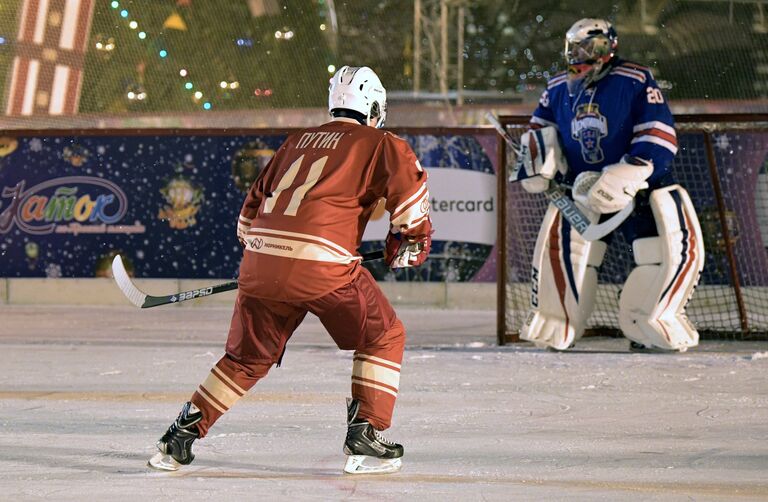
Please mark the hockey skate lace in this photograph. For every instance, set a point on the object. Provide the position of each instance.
(382, 439)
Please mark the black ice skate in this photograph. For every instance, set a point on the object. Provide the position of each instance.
(368, 452)
(176, 444)
(639, 347)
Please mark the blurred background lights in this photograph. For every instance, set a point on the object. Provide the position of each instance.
(207, 105)
(133, 25)
(198, 94)
(105, 44)
(183, 72)
(284, 34)
(142, 35)
(123, 13)
(163, 53)
(331, 68)
(136, 92)
(115, 4)
(188, 86)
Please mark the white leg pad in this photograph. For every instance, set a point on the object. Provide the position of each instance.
(653, 300)
(564, 284)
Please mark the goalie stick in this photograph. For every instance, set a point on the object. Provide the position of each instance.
(589, 231)
(145, 301)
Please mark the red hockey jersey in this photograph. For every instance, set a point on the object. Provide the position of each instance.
(304, 216)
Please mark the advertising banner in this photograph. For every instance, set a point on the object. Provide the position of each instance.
(169, 204)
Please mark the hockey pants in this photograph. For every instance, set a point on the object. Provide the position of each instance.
(357, 316)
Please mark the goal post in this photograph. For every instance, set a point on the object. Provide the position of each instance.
(723, 163)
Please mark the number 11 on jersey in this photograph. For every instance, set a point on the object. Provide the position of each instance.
(299, 192)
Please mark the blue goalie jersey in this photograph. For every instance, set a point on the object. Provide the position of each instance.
(622, 113)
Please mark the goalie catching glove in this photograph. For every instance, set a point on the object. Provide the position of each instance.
(403, 251)
(616, 186)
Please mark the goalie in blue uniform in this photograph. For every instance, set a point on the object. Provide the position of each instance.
(609, 135)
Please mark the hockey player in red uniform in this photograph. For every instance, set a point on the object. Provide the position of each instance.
(301, 224)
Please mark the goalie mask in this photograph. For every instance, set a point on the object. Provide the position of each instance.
(590, 44)
(358, 88)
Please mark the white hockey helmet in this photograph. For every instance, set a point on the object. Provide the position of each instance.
(359, 89)
(590, 44)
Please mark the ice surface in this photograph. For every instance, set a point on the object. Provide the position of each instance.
(85, 393)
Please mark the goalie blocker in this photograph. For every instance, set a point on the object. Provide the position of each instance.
(653, 299)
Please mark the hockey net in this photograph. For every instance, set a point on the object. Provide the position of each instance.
(723, 163)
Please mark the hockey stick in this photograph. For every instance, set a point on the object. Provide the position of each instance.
(145, 301)
(589, 231)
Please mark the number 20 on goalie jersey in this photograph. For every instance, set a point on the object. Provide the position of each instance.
(303, 218)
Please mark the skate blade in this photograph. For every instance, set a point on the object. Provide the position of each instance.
(163, 462)
(363, 464)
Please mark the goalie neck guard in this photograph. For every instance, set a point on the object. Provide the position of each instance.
(358, 89)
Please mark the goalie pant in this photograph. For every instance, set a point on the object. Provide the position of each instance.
(654, 296)
(357, 316)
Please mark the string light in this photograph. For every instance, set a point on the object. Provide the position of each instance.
(136, 92)
(285, 34)
(105, 44)
(140, 94)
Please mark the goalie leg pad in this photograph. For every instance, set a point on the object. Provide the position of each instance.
(564, 284)
(652, 303)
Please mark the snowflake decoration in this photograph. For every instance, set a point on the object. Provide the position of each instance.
(53, 270)
(36, 145)
(722, 142)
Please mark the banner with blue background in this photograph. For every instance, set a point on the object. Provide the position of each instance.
(168, 203)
